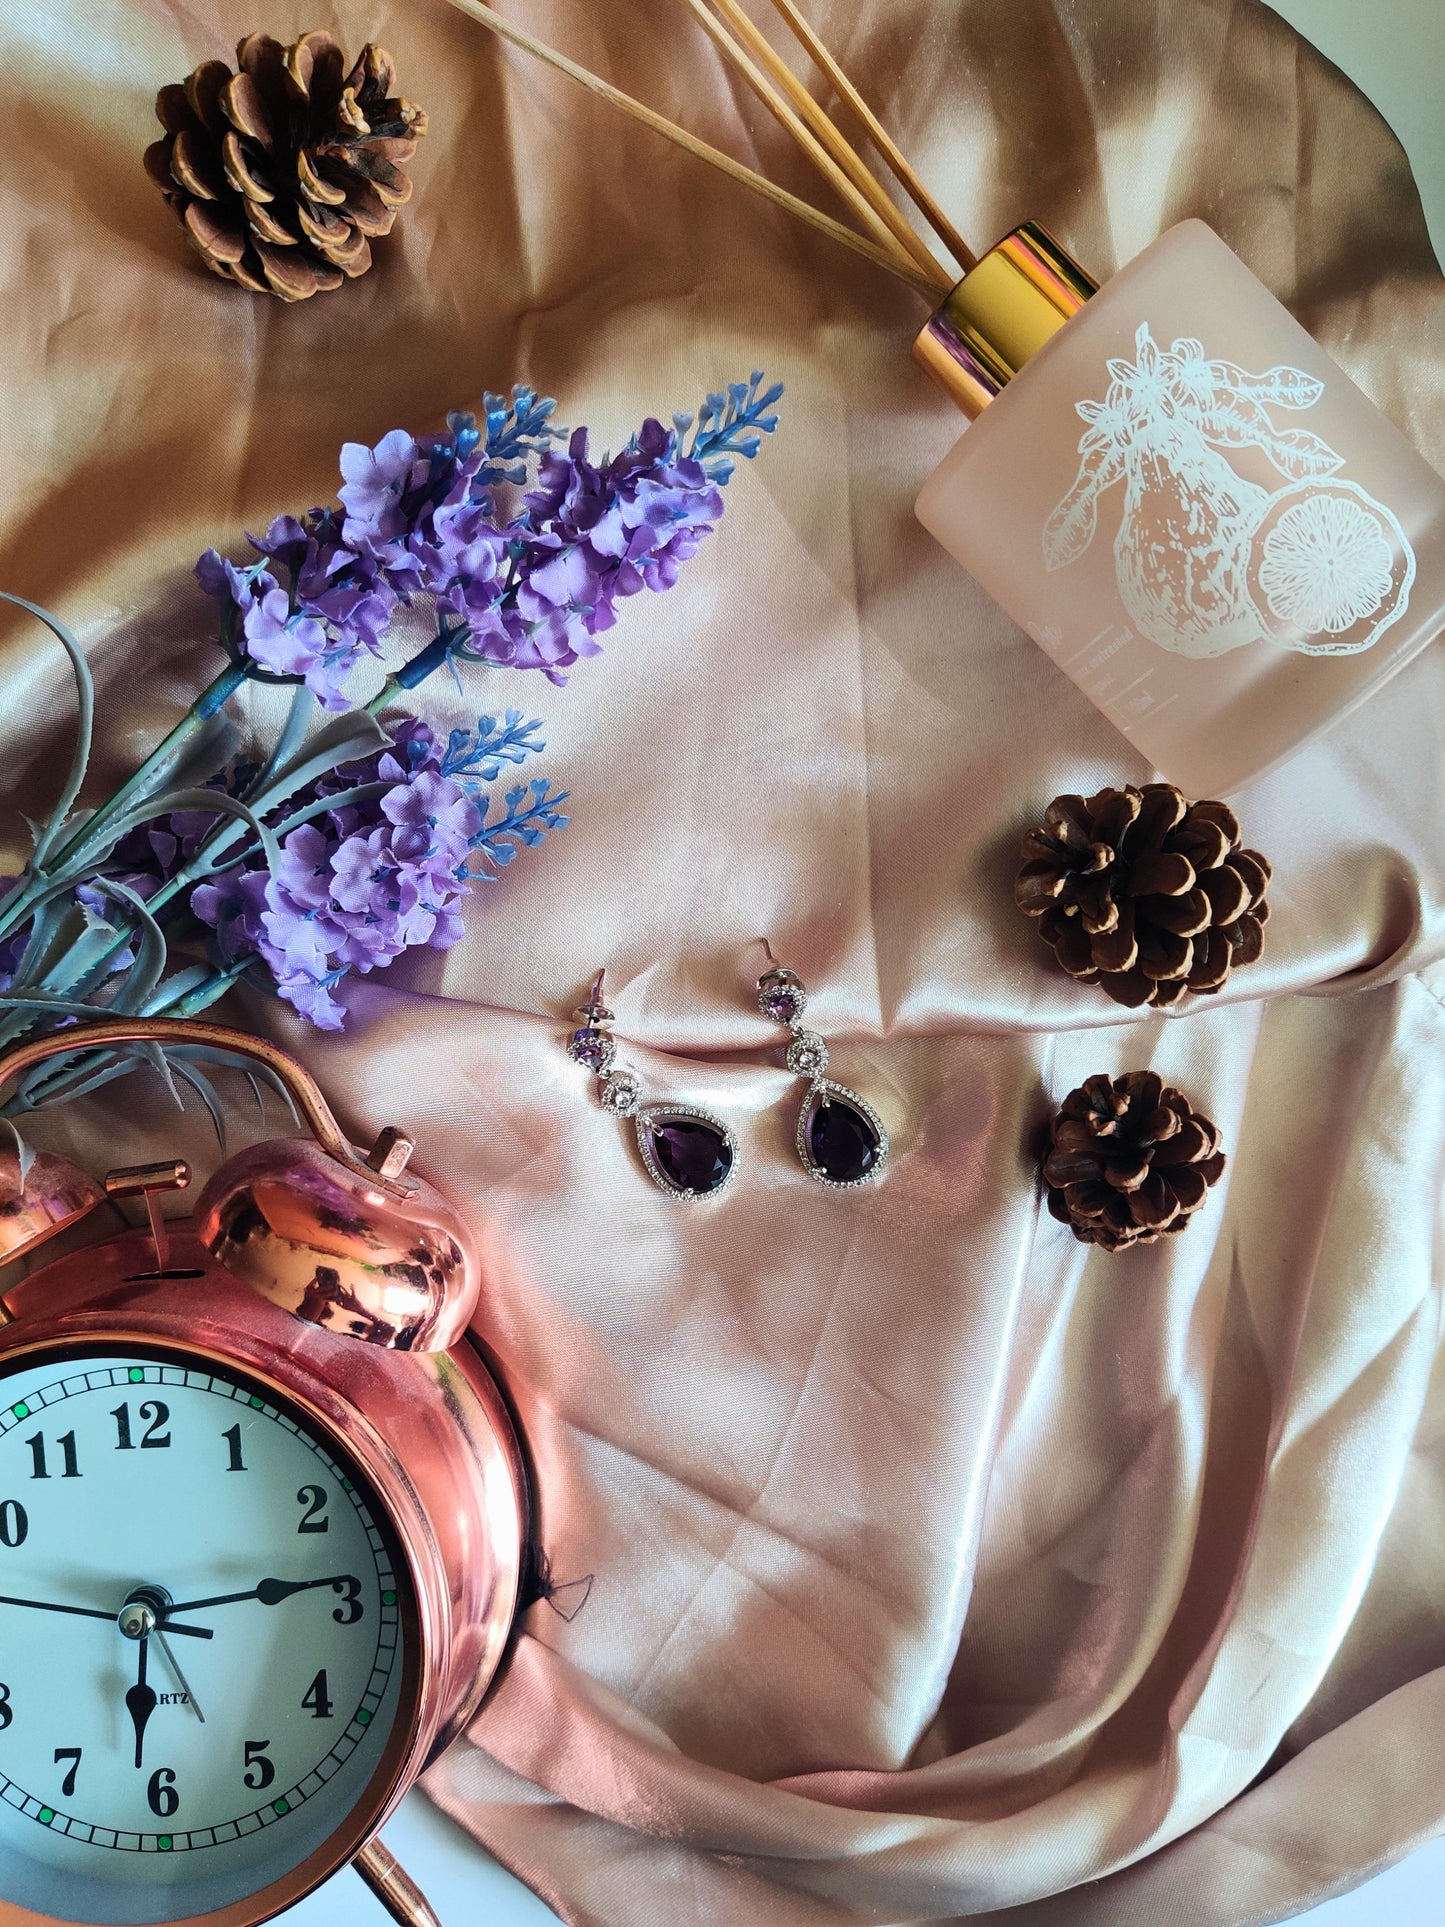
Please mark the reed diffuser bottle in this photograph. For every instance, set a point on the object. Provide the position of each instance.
(1165, 481)
(1181, 498)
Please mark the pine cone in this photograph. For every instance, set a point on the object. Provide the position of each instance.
(284, 171)
(1129, 1160)
(1144, 894)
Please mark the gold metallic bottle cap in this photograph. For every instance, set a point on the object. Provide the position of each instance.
(1002, 312)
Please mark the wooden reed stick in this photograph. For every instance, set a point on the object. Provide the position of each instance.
(736, 54)
(768, 57)
(881, 138)
(679, 136)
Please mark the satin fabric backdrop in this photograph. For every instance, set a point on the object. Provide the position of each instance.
(942, 1566)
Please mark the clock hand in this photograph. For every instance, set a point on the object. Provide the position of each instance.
(270, 1592)
(95, 1612)
(141, 1701)
(185, 1684)
(48, 1606)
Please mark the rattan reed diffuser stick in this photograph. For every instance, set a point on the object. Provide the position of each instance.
(890, 229)
(852, 165)
(880, 137)
(904, 260)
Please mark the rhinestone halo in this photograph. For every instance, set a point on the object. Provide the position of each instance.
(621, 1093)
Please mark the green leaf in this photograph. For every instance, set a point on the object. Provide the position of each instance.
(344, 740)
(293, 733)
(84, 724)
(206, 1091)
(24, 1150)
(338, 800)
(150, 951)
(214, 802)
(207, 753)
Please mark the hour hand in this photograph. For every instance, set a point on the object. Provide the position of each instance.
(270, 1592)
(140, 1703)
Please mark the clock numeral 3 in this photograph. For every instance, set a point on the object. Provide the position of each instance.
(67, 1447)
(153, 1437)
(14, 1523)
(314, 1519)
(7, 1711)
(316, 1699)
(161, 1795)
(351, 1608)
(260, 1771)
(71, 1753)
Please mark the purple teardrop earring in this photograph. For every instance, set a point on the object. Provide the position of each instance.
(686, 1152)
(841, 1139)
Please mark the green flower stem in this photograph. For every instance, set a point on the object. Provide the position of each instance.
(204, 995)
(387, 693)
(413, 674)
(201, 710)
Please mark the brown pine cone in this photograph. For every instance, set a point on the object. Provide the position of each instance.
(283, 172)
(1129, 1161)
(1143, 893)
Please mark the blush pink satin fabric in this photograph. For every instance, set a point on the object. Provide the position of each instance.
(944, 1569)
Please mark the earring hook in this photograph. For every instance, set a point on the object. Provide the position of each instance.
(775, 972)
(594, 1011)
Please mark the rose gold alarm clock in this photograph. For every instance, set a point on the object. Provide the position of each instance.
(262, 1519)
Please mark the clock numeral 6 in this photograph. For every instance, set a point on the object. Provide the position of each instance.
(161, 1795)
(14, 1523)
(7, 1711)
(260, 1771)
(71, 1753)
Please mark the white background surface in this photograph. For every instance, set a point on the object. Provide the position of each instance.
(1395, 51)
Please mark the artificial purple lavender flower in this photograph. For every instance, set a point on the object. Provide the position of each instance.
(357, 886)
(419, 520)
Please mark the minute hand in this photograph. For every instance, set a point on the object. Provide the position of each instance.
(270, 1592)
(96, 1612)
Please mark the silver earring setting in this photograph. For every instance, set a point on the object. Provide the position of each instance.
(841, 1139)
(688, 1153)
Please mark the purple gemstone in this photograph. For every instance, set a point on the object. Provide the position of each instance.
(842, 1143)
(691, 1155)
(592, 1048)
(782, 1002)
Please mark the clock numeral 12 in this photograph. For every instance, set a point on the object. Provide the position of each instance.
(153, 1437)
(67, 1446)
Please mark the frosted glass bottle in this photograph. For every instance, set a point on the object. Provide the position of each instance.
(1182, 499)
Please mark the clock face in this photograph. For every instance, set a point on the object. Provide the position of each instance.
(204, 1628)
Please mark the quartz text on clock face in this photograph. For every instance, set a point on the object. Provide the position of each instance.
(201, 1625)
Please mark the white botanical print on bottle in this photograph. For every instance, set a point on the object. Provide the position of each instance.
(1207, 559)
